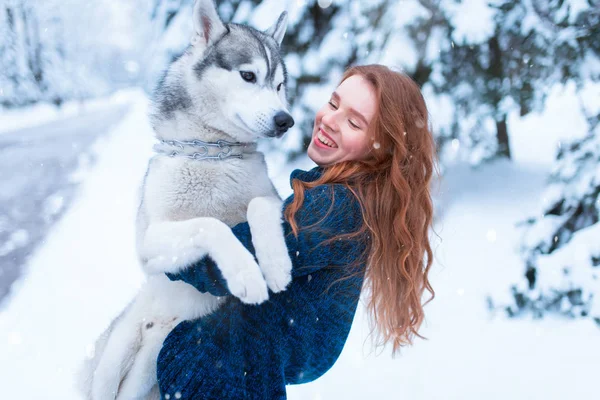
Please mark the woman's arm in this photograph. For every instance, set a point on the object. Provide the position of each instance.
(327, 212)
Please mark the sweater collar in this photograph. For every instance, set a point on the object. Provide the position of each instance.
(307, 176)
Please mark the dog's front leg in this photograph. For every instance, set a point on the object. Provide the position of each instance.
(169, 246)
(173, 245)
(264, 218)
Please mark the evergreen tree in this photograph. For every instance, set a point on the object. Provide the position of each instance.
(561, 263)
(527, 48)
(559, 248)
(17, 58)
(9, 79)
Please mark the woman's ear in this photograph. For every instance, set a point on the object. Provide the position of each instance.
(207, 24)
(277, 31)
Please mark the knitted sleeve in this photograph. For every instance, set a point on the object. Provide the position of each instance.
(327, 212)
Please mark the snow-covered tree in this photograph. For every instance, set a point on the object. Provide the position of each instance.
(562, 260)
(57, 50)
(17, 80)
(503, 56)
(560, 245)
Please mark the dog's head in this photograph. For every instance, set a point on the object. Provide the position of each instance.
(232, 77)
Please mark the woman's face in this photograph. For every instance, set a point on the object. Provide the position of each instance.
(341, 125)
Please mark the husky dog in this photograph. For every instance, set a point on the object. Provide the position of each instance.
(227, 90)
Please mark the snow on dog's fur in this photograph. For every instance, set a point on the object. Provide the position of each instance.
(229, 85)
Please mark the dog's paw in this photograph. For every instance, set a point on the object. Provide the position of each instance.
(278, 280)
(277, 269)
(249, 286)
(242, 274)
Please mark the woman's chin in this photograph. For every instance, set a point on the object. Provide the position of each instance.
(318, 157)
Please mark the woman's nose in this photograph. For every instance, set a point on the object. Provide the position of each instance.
(329, 119)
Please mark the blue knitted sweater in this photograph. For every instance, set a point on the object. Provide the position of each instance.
(253, 351)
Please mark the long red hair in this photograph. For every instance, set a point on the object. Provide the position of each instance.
(393, 188)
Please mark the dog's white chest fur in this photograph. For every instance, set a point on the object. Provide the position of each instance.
(179, 189)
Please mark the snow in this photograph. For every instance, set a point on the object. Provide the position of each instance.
(575, 7)
(473, 21)
(86, 272)
(562, 118)
(83, 274)
(266, 13)
(579, 252)
(42, 113)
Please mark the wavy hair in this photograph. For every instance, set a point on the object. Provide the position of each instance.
(393, 188)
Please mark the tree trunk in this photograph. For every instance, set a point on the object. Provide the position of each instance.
(502, 136)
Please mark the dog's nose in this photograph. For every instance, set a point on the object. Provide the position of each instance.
(283, 122)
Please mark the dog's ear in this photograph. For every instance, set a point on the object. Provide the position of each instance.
(278, 29)
(207, 23)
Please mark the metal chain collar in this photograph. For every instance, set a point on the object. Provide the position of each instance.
(199, 150)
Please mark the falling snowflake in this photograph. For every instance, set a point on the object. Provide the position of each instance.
(455, 144)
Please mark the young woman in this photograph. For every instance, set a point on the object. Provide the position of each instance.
(359, 219)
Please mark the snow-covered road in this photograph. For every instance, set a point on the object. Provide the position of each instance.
(37, 166)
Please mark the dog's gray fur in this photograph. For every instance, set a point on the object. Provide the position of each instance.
(188, 206)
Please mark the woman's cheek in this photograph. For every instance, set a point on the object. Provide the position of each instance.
(360, 145)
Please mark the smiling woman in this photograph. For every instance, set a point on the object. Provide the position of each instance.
(341, 129)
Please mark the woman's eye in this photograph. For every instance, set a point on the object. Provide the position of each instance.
(332, 104)
(248, 76)
(279, 86)
(353, 124)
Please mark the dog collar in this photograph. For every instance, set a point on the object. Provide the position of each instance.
(199, 150)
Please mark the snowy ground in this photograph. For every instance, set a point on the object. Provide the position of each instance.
(86, 272)
(40, 165)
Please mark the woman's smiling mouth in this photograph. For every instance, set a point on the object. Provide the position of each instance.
(323, 140)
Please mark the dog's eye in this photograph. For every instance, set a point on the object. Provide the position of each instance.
(279, 86)
(248, 76)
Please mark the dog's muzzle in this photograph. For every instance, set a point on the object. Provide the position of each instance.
(283, 122)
